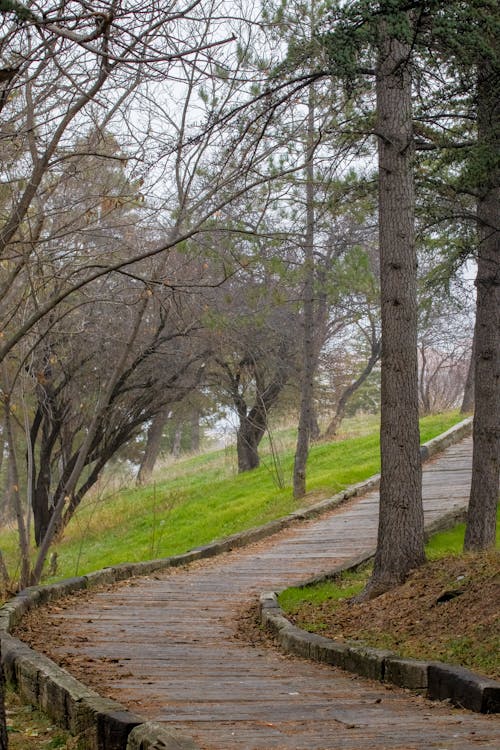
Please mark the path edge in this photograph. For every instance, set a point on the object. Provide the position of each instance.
(104, 724)
(436, 680)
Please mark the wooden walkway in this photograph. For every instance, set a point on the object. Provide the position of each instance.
(166, 647)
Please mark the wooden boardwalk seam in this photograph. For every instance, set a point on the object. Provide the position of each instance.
(166, 645)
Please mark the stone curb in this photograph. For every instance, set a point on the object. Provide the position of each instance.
(451, 436)
(437, 680)
(105, 724)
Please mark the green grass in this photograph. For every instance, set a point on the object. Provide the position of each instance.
(347, 585)
(29, 729)
(449, 542)
(201, 498)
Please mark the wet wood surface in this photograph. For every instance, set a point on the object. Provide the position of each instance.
(166, 646)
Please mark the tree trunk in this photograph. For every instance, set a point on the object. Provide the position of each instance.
(423, 385)
(250, 432)
(3, 727)
(41, 510)
(481, 519)
(308, 348)
(152, 449)
(13, 480)
(400, 544)
(314, 428)
(195, 429)
(176, 444)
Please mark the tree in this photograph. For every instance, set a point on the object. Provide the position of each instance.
(463, 41)
(81, 265)
(62, 62)
(153, 444)
(433, 38)
(444, 342)
(93, 392)
(309, 355)
(353, 349)
(400, 542)
(481, 518)
(174, 428)
(253, 372)
(348, 391)
(252, 323)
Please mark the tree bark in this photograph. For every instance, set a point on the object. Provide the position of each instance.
(152, 449)
(3, 726)
(400, 544)
(314, 428)
(481, 518)
(177, 440)
(250, 432)
(308, 348)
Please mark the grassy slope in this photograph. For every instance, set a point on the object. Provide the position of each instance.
(199, 499)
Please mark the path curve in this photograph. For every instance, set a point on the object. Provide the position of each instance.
(165, 645)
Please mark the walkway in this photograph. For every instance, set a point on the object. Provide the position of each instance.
(166, 647)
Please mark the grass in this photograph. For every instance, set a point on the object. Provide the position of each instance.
(198, 499)
(344, 587)
(28, 729)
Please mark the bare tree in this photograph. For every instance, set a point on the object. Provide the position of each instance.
(66, 65)
(253, 352)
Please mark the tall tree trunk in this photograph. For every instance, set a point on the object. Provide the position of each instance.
(308, 348)
(400, 544)
(481, 518)
(152, 449)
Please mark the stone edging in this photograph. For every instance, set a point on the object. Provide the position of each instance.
(437, 680)
(105, 724)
